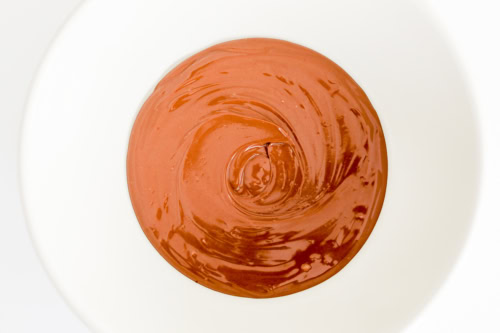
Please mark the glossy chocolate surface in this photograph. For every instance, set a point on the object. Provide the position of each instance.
(257, 168)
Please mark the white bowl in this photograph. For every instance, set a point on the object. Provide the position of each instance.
(107, 60)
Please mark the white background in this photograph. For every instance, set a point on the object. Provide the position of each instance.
(468, 302)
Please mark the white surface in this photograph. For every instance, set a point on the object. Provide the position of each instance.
(28, 301)
(469, 301)
(75, 137)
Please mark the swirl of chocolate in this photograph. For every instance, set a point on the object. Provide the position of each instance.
(257, 168)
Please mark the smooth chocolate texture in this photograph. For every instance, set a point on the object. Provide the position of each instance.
(257, 168)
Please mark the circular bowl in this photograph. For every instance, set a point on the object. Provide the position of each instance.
(105, 63)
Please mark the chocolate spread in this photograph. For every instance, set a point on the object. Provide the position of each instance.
(257, 168)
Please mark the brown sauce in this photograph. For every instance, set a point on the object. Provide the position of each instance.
(257, 168)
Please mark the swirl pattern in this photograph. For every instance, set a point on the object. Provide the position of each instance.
(257, 168)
